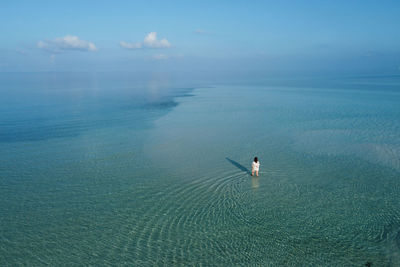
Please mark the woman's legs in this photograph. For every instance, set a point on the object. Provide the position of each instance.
(257, 173)
(252, 172)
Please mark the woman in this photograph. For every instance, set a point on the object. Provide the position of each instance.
(255, 166)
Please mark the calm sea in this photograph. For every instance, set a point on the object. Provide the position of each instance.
(153, 169)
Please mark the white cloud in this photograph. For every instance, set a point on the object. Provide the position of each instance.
(169, 57)
(200, 31)
(68, 42)
(160, 56)
(150, 41)
(20, 51)
(42, 44)
(130, 45)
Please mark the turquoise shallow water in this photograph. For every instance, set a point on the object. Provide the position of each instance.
(126, 170)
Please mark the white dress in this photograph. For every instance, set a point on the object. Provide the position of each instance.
(255, 166)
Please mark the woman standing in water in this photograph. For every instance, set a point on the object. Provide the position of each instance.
(255, 166)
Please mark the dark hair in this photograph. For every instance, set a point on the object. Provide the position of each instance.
(255, 159)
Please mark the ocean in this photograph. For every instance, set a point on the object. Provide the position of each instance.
(147, 169)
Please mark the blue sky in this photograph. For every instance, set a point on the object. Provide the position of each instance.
(271, 36)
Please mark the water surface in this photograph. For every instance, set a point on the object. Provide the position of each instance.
(122, 169)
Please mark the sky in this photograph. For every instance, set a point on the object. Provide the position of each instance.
(267, 36)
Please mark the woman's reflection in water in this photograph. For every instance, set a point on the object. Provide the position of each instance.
(255, 182)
